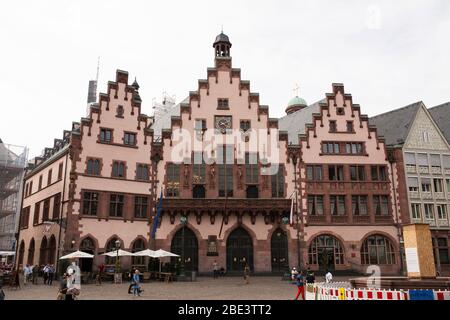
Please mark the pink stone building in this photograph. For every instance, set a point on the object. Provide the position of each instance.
(315, 188)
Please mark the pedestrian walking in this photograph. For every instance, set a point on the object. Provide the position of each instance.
(328, 277)
(62, 288)
(35, 274)
(45, 273)
(26, 274)
(247, 274)
(51, 274)
(215, 270)
(300, 282)
(136, 287)
(294, 273)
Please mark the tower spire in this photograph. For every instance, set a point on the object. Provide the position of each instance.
(98, 69)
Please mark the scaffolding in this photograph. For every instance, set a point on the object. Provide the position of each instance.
(13, 160)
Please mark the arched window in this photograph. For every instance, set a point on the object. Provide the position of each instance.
(31, 249)
(51, 250)
(43, 252)
(87, 245)
(377, 249)
(111, 246)
(138, 245)
(326, 251)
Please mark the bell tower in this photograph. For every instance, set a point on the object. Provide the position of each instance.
(222, 45)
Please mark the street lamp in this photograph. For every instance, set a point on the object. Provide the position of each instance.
(183, 221)
(117, 243)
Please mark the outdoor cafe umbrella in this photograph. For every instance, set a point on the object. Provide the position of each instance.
(7, 253)
(162, 253)
(121, 253)
(146, 253)
(77, 254)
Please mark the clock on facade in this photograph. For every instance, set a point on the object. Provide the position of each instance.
(223, 123)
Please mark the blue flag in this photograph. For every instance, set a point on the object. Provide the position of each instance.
(158, 215)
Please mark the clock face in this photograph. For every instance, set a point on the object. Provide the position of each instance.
(223, 123)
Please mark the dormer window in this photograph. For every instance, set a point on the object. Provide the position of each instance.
(333, 126)
(350, 127)
(222, 104)
(245, 125)
(119, 112)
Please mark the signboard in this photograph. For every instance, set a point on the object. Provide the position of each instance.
(421, 295)
(412, 260)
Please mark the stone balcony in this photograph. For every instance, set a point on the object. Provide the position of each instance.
(424, 169)
(416, 220)
(436, 170)
(414, 194)
(339, 219)
(439, 195)
(384, 219)
(361, 219)
(411, 168)
(427, 195)
(443, 223)
(316, 219)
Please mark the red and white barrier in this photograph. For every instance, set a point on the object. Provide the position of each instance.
(331, 291)
(441, 295)
(375, 294)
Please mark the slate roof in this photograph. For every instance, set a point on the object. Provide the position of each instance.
(441, 115)
(295, 123)
(394, 125)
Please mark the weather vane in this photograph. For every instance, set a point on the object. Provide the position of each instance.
(296, 89)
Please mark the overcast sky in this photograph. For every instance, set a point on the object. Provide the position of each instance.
(387, 53)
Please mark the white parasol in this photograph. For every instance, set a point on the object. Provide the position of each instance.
(77, 254)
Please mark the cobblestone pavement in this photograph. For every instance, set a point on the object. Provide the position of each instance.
(228, 288)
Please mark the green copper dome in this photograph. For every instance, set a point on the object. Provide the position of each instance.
(296, 101)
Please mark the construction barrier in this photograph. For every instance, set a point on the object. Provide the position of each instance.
(343, 291)
(441, 295)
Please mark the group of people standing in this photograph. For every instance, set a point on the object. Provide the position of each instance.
(31, 274)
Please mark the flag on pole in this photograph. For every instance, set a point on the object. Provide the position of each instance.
(158, 215)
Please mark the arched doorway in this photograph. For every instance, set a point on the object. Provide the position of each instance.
(239, 250)
(198, 192)
(87, 245)
(190, 248)
(43, 251)
(31, 249)
(326, 251)
(21, 253)
(279, 251)
(52, 250)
